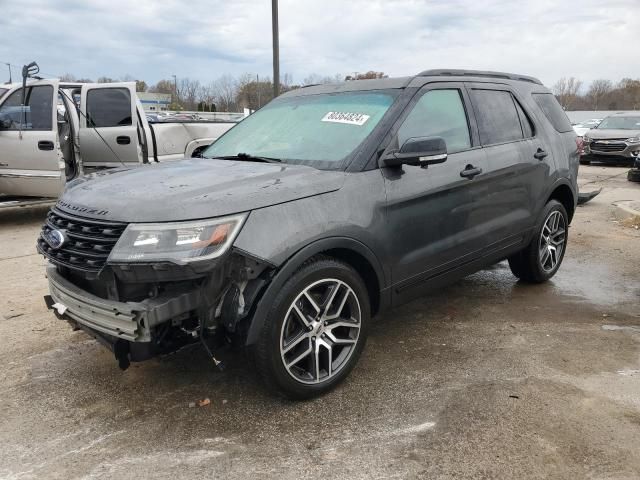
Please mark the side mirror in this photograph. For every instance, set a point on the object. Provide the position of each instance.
(419, 151)
(5, 122)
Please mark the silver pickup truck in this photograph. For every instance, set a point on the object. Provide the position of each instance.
(66, 130)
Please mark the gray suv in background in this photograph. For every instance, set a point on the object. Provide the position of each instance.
(615, 139)
(323, 209)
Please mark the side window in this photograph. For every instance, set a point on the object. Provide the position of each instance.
(527, 126)
(497, 117)
(438, 113)
(38, 109)
(553, 111)
(109, 107)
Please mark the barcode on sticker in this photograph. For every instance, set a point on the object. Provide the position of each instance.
(346, 117)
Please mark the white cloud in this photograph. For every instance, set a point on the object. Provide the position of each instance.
(204, 39)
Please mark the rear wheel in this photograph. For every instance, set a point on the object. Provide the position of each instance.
(541, 259)
(315, 330)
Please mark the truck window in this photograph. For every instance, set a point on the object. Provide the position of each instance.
(553, 111)
(38, 108)
(109, 107)
(497, 117)
(438, 113)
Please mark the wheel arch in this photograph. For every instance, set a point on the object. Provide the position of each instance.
(563, 193)
(351, 251)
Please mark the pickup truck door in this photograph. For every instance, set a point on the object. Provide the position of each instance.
(31, 162)
(109, 125)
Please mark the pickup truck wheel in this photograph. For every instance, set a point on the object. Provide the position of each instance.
(540, 260)
(315, 330)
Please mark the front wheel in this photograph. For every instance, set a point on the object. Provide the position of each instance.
(541, 259)
(314, 331)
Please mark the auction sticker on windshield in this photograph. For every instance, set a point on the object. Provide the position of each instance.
(346, 117)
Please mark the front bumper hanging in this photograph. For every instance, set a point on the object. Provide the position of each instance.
(131, 321)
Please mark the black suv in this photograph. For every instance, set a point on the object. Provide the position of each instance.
(326, 207)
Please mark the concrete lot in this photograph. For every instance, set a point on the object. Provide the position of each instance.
(485, 379)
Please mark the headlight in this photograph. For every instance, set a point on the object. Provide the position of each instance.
(180, 243)
(634, 139)
(586, 139)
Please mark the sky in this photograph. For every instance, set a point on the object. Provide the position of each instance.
(205, 39)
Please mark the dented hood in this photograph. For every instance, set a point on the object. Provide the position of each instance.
(194, 189)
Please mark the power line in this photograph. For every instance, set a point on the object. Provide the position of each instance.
(19, 69)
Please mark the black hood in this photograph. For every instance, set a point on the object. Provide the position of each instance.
(194, 189)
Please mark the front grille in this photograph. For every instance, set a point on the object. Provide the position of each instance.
(88, 242)
(619, 146)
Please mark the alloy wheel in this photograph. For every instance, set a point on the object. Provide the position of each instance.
(552, 241)
(320, 331)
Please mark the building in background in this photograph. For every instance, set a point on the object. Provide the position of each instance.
(155, 102)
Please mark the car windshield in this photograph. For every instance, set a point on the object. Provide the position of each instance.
(620, 123)
(318, 130)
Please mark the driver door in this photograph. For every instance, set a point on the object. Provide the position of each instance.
(31, 162)
(109, 125)
(431, 212)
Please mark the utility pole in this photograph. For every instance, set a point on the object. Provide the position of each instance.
(276, 48)
(175, 89)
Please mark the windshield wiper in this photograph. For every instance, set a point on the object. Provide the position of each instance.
(250, 158)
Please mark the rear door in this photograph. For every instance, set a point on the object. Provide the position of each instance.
(31, 163)
(505, 209)
(109, 125)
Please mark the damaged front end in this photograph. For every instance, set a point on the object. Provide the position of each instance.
(144, 290)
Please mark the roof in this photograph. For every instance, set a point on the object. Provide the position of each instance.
(351, 86)
(402, 82)
(478, 73)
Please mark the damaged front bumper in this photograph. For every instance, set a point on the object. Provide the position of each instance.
(130, 321)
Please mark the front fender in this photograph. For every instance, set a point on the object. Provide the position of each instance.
(292, 264)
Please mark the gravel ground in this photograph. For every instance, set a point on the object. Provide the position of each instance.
(487, 378)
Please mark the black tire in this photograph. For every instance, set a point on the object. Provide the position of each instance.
(267, 353)
(527, 264)
(634, 175)
(584, 161)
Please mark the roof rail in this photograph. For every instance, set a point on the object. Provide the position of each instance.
(478, 73)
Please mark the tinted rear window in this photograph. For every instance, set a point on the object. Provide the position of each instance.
(109, 107)
(498, 120)
(553, 111)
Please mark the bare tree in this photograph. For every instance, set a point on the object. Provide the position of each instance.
(567, 90)
(597, 91)
(188, 92)
(317, 79)
(224, 91)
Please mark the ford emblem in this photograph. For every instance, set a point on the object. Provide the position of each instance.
(55, 238)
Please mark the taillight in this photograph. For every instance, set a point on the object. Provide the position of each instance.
(580, 145)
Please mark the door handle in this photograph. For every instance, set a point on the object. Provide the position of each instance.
(540, 154)
(45, 145)
(470, 171)
(123, 140)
